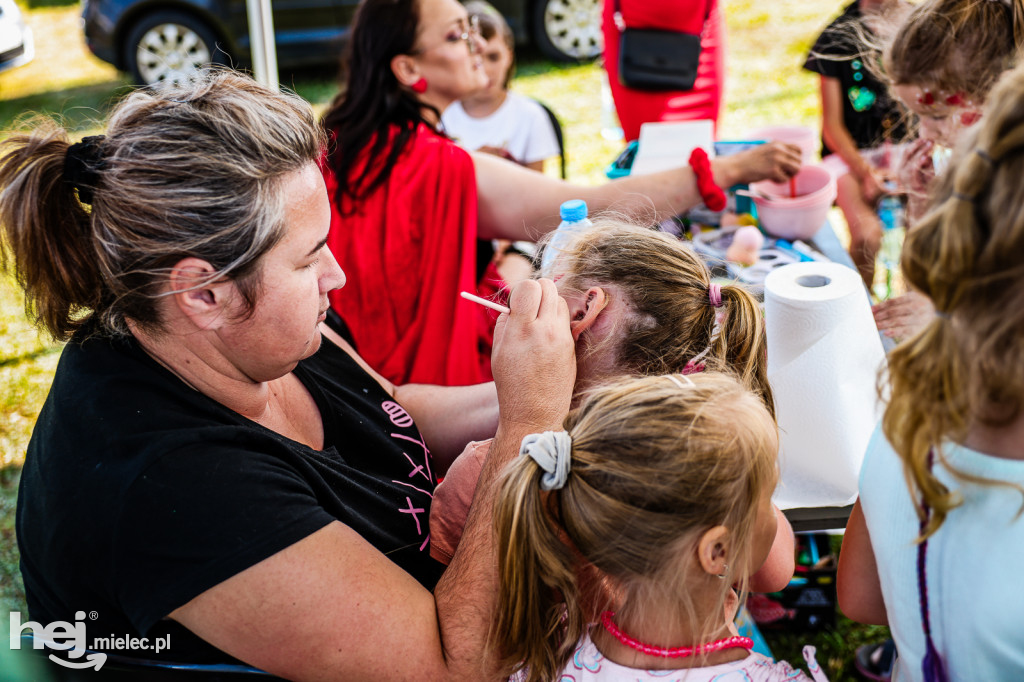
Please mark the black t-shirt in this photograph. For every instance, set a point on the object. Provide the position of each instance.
(869, 113)
(139, 493)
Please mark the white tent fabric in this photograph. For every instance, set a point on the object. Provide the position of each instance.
(262, 46)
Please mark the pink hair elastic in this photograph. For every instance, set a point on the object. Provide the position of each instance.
(715, 294)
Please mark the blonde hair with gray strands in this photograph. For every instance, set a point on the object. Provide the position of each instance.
(654, 466)
(187, 171)
(666, 289)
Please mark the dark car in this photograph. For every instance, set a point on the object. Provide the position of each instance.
(155, 40)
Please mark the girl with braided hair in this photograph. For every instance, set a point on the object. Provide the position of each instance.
(934, 547)
(641, 303)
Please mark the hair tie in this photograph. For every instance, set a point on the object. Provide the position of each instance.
(984, 155)
(82, 163)
(552, 451)
(715, 294)
(962, 197)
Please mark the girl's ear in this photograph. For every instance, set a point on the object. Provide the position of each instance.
(713, 551)
(406, 69)
(584, 312)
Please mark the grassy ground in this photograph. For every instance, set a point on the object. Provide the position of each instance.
(767, 43)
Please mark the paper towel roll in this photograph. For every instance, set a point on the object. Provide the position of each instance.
(824, 354)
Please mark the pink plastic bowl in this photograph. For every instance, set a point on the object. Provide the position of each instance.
(799, 217)
(802, 136)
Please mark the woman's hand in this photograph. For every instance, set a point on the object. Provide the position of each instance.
(534, 360)
(903, 316)
(775, 161)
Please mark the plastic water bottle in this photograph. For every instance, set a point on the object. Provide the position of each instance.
(892, 215)
(574, 221)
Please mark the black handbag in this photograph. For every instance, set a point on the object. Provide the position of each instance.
(655, 59)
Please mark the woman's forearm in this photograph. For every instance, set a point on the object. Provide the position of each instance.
(515, 203)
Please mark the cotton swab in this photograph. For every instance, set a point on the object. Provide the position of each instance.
(484, 302)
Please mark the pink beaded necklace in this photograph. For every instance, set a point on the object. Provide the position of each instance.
(677, 652)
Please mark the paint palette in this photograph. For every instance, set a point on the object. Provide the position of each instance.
(712, 245)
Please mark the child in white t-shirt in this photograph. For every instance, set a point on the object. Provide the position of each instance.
(493, 119)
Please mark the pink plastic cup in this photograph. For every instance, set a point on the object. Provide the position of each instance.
(798, 217)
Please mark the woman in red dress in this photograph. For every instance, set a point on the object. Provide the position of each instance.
(409, 204)
(636, 107)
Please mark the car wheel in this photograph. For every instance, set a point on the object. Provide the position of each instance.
(568, 30)
(170, 46)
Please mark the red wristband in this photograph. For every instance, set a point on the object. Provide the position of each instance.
(712, 194)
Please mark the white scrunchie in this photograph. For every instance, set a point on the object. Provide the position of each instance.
(552, 451)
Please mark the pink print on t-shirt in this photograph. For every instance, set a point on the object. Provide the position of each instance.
(399, 417)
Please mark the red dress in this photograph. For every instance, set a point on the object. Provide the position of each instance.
(407, 251)
(636, 107)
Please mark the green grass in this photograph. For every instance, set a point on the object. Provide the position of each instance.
(766, 46)
(27, 363)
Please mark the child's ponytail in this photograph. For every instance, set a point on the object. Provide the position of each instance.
(46, 230)
(745, 345)
(534, 629)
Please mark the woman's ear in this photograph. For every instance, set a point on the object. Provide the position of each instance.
(713, 551)
(584, 311)
(405, 69)
(199, 298)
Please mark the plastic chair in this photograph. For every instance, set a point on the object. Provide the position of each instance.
(557, 125)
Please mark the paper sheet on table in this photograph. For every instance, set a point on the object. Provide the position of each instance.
(668, 145)
(824, 355)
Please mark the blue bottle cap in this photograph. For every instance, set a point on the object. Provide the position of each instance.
(573, 211)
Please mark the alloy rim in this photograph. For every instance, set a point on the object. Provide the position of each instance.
(171, 52)
(574, 27)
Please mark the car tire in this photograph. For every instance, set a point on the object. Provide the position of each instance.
(170, 45)
(568, 30)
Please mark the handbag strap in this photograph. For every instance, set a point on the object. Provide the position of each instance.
(931, 664)
(620, 23)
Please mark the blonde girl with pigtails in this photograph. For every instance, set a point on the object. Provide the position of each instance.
(661, 486)
(935, 546)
